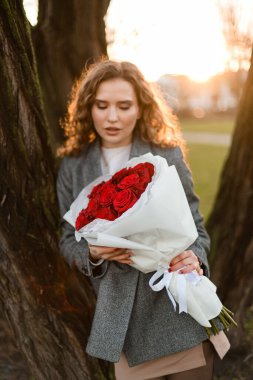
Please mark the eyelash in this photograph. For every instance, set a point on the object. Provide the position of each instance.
(124, 108)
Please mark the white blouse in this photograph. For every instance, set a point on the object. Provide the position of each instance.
(114, 159)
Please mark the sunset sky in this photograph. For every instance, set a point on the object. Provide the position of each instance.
(167, 36)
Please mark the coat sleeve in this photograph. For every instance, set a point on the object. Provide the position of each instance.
(75, 253)
(201, 245)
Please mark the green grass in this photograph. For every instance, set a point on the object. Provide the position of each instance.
(212, 125)
(206, 163)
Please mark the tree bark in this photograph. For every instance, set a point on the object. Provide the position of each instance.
(49, 306)
(231, 222)
(68, 36)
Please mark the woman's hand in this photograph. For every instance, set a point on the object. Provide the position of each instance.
(186, 259)
(120, 255)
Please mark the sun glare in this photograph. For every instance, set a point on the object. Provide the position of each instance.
(171, 38)
(31, 9)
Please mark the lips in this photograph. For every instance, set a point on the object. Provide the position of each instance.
(112, 130)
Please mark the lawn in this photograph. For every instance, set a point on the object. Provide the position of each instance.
(212, 125)
(206, 163)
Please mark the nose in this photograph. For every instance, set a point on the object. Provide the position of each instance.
(112, 114)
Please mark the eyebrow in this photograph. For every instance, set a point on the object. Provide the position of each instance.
(119, 102)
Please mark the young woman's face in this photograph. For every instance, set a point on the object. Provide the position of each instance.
(115, 112)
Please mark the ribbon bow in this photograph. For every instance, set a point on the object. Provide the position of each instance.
(181, 279)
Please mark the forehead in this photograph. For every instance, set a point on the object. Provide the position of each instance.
(116, 89)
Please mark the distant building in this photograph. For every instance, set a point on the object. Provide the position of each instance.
(219, 94)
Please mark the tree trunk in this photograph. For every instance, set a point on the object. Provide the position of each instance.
(49, 307)
(231, 222)
(68, 36)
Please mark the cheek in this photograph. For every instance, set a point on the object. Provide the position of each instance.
(96, 117)
(131, 119)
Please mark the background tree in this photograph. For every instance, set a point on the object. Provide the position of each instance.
(68, 36)
(231, 224)
(238, 37)
(49, 307)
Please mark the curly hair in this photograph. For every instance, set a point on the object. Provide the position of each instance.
(157, 124)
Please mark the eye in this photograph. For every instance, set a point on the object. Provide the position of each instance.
(101, 107)
(124, 107)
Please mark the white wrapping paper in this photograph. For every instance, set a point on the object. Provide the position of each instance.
(157, 228)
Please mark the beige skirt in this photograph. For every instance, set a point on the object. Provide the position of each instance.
(178, 362)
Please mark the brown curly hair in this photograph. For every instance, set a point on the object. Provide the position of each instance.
(157, 124)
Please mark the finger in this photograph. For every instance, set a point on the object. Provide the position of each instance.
(187, 262)
(191, 267)
(129, 262)
(179, 258)
(183, 259)
(99, 249)
(99, 252)
(187, 269)
(112, 256)
(183, 256)
(200, 272)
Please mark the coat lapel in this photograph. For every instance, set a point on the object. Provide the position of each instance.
(91, 166)
(139, 147)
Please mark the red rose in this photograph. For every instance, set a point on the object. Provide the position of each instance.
(145, 171)
(129, 181)
(93, 204)
(96, 190)
(107, 195)
(117, 177)
(106, 213)
(83, 219)
(139, 188)
(124, 200)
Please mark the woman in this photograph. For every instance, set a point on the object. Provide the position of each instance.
(114, 115)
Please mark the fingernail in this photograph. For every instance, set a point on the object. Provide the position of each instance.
(169, 270)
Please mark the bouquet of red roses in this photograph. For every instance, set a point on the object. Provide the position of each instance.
(143, 207)
(109, 200)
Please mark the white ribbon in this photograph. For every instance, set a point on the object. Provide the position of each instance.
(163, 283)
(181, 279)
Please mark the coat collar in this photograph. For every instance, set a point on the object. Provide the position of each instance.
(139, 147)
(89, 166)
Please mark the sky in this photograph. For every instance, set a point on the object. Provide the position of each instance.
(166, 36)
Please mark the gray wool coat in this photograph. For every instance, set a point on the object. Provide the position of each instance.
(129, 316)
